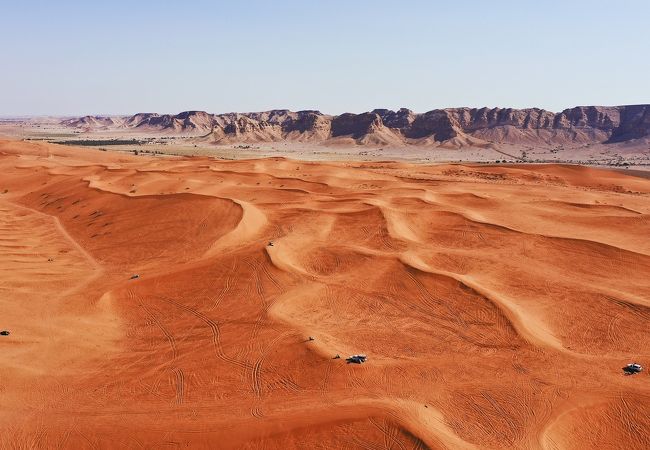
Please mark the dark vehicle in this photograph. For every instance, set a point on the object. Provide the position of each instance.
(133, 277)
(632, 368)
(356, 359)
(4, 333)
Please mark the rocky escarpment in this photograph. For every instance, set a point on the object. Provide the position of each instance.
(93, 122)
(452, 127)
(634, 123)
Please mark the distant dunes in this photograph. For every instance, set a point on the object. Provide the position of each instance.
(453, 127)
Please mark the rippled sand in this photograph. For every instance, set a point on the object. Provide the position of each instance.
(496, 305)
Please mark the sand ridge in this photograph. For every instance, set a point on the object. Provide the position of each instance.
(497, 304)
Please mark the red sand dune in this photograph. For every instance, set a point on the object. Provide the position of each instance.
(497, 305)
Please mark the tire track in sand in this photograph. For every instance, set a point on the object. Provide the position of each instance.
(256, 374)
(389, 432)
(170, 337)
(180, 385)
(529, 327)
(216, 333)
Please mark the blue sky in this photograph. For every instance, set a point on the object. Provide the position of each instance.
(122, 57)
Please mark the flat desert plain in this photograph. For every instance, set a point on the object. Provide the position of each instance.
(496, 305)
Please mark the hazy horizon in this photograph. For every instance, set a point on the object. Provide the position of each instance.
(75, 58)
(100, 114)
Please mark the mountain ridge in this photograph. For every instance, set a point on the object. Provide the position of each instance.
(451, 127)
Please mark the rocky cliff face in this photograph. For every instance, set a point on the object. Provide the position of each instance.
(633, 123)
(356, 125)
(458, 126)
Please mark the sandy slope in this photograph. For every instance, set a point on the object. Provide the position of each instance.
(497, 304)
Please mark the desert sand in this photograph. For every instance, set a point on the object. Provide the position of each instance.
(496, 304)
